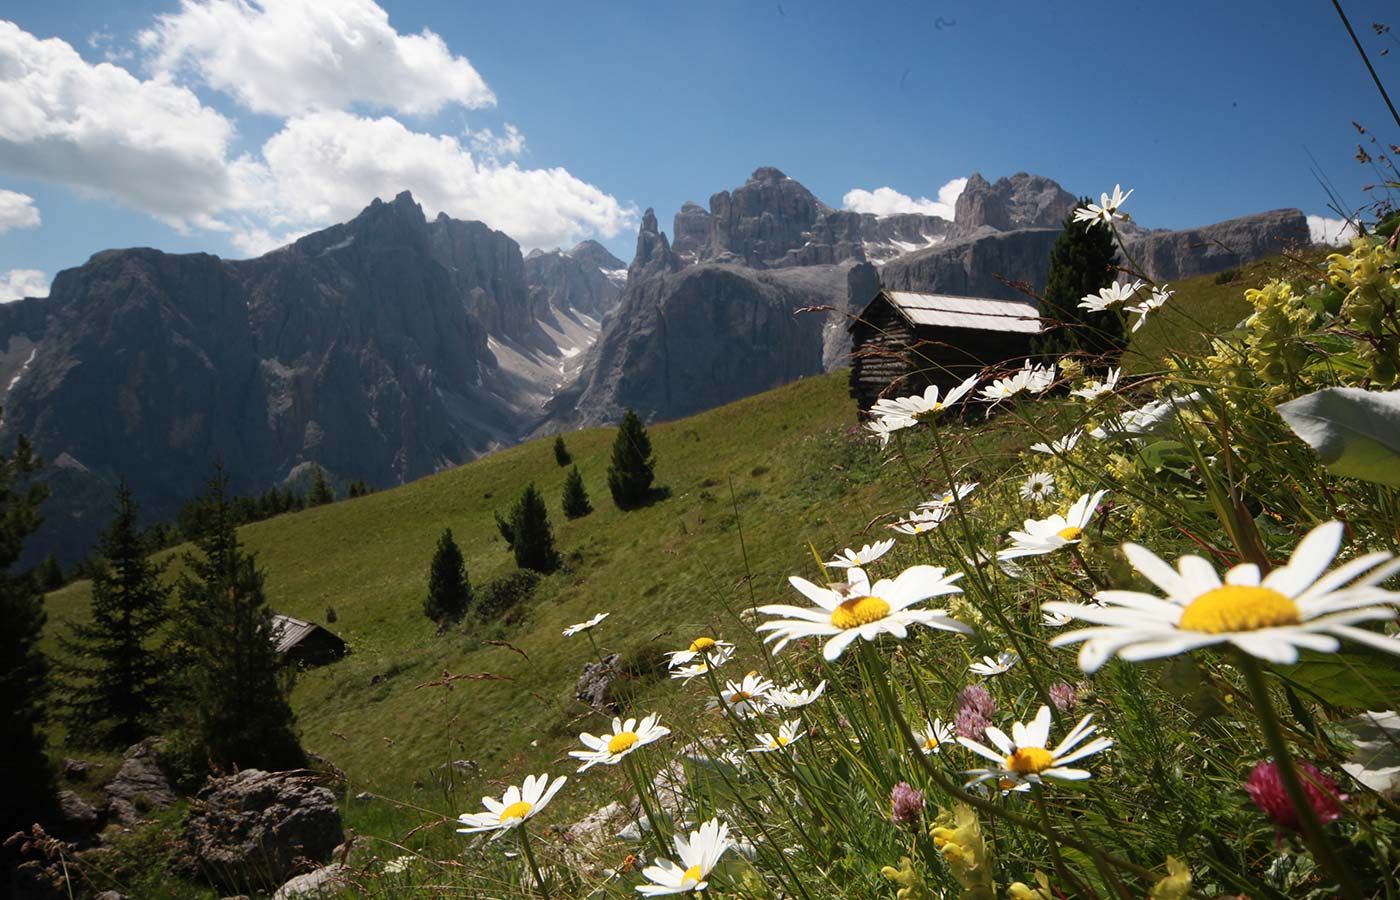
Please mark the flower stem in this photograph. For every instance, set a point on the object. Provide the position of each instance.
(655, 824)
(1274, 737)
(530, 858)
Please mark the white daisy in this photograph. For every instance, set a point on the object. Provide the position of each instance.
(1096, 389)
(700, 647)
(1144, 308)
(863, 557)
(581, 627)
(906, 412)
(1061, 446)
(989, 667)
(1049, 535)
(1032, 379)
(698, 853)
(711, 660)
(794, 695)
(1106, 210)
(935, 734)
(1298, 605)
(858, 609)
(787, 734)
(609, 749)
(1038, 486)
(1115, 294)
(921, 521)
(950, 498)
(514, 807)
(1022, 759)
(744, 697)
(1146, 419)
(1054, 619)
(884, 427)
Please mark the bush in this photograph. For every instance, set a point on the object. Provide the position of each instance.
(503, 595)
(561, 452)
(1227, 276)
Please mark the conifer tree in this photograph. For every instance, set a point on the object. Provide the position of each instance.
(236, 707)
(28, 778)
(534, 540)
(113, 681)
(449, 590)
(631, 473)
(1083, 260)
(50, 574)
(321, 492)
(506, 529)
(576, 503)
(561, 452)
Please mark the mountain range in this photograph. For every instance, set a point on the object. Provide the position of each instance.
(391, 346)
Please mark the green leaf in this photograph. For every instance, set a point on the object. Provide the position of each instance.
(1355, 679)
(1356, 432)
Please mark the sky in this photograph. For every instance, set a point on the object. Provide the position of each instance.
(234, 126)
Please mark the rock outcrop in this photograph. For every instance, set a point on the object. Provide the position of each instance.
(260, 827)
(487, 272)
(140, 787)
(1169, 255)
(595, 683)
(587, 279)
(975, 266)
(1020, 201)
(654, 257)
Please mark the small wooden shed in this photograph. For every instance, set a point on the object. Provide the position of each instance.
(305, 643)
(903, 341)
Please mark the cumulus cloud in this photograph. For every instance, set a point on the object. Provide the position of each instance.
(16, 284)
(1333, 232)
(324, 167)
(150, 145)
(286, 57)
(17, 211)
(886, 201)
(502, 146)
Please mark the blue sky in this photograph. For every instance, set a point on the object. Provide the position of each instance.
(226, 131)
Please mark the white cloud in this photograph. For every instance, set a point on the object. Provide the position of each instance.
(887, 201)
(16, 284)
(148, 144)
(1334, 232)
(286, 57)
(17, 211)
(325, 167)
(503, 146)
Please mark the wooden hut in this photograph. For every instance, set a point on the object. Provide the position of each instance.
(903, 342)
(305, 643)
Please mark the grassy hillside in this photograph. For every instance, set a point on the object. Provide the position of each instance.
(752, 485)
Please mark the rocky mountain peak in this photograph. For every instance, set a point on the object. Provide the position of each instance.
(767, 173)
(592, 253)
(1020, 201)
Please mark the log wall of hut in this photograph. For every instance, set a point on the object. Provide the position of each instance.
(892, 358)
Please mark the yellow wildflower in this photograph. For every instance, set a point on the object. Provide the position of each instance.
(1177, 884)
(958, 836)
(913, 887)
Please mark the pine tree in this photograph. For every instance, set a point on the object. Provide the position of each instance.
(561, 452)
(631, 472)
(321, 492)
(449, 590)
(236, 709)
(28, 778)
(576, 503)
(534, 541)
(114, 681)
(1083, 260)
(50, 574)
(506, 530)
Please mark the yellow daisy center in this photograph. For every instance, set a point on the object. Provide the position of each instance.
(692, 874)
(623, 742)
(739, 696)
(930, 743)
(930, 413)
(1072, 533)
(859, 611)
(518, 810)
(781, 741)
(702, 645)
(1235, 607)
(1030, 760)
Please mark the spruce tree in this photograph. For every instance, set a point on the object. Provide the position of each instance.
(449, 590)
(576, 503)
(561, 452)
(1083, 260)
(631, 473)
(28, 778)
(50, 574)
(113, 681)
(321, 492)
(236, 706)
(534, 541)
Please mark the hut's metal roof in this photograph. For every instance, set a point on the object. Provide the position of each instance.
(951, 311)
(290, 631)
